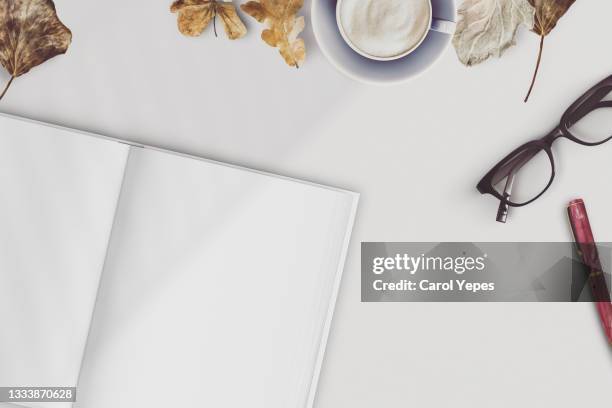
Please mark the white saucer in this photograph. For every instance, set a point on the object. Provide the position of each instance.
(363, 69)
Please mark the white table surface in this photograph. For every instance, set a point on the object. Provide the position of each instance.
(414, 152)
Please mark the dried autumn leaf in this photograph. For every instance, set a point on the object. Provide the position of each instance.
(547, 14)
(195, 15)
(30, 34)
(283, 26)
(488, 27)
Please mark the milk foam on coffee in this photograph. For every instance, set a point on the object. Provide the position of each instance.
(385, 28)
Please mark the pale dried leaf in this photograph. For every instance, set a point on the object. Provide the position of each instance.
(488, 27)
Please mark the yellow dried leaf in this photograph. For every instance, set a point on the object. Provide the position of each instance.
(283, 27)
(195, 15)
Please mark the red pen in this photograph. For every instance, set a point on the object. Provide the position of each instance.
(587, 249)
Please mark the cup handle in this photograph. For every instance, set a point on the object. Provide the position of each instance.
(443, 26)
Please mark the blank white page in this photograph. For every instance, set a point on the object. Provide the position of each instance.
(218, 288)
(58, 194)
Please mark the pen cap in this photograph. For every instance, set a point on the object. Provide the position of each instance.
(579, 221)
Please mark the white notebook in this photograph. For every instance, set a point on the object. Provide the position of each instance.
(157, 279)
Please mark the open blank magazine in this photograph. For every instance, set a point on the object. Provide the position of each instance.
(154, 279)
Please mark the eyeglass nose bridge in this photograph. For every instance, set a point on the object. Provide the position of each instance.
(554, 134)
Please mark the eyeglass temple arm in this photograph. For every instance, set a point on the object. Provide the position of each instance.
(587, 102)
(502, 210)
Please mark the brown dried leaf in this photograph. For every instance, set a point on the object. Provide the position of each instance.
(283, 26)
(30, 34)
(195, 15)
(547, 14)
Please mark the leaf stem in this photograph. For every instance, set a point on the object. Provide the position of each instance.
(8, 85)
(535, 73)
(215, 23)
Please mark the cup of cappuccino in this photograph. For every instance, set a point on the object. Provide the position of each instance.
(386, 30)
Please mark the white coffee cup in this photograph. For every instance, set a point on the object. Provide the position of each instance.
(444, 26)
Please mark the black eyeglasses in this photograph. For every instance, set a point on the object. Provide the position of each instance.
(532, 166)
